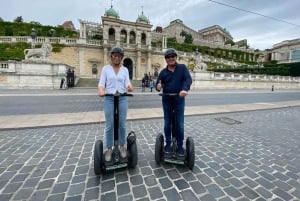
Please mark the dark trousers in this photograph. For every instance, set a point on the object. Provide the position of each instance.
(179, 110)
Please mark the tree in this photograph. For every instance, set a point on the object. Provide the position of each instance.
(19, 19)
(229, 42)
(1, 20)
(188, 38)
(9, 31)
(172, 40)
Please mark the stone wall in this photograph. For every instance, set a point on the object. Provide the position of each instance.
(32, 74)
(202, 80)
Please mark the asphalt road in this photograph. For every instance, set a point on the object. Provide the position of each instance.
(21, 102)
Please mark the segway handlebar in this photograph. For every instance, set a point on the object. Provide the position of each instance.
(119, 94)
(169, 94)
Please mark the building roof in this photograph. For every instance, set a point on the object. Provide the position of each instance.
(216, 27)
(142, 18)
(111, 12)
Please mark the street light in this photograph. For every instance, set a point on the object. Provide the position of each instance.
(51, 32)
(33, 36)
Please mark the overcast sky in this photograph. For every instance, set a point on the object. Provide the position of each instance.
(282, 21)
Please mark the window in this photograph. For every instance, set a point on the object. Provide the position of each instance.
(143, 39)
(111, 34)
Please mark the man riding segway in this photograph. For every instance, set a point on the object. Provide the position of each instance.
(175, 80)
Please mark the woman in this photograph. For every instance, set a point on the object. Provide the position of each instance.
(115, 79)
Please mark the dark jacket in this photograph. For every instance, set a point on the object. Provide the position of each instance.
(174, 82)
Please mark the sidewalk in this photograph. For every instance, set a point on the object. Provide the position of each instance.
(62, 119)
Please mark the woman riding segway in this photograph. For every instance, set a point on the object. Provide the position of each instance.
(113, 86)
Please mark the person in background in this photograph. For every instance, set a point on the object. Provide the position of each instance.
(174, 78)
(143, 84)
(115, 79)
(151, 85)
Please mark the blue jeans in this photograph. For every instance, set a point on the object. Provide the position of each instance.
(179, 110)
(108, 106)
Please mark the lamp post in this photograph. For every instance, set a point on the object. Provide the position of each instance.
(33, 36)
(51, 32)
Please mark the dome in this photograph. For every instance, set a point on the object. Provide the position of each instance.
(111, 12)
(142, 18)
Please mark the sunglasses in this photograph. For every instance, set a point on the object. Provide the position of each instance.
(170, 56)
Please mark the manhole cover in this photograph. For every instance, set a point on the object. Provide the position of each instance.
(227, 120)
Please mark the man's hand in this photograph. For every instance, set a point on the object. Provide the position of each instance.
(183, 93)
(158, 86)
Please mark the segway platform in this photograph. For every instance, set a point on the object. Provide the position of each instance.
(172, 157)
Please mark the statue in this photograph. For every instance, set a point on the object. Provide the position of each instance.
(199, 64)
(39, 53)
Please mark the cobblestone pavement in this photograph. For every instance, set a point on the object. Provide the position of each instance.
(256, 158)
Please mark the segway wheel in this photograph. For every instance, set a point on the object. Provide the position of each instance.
(190, 156)
(132, 149)
(98, 157)
(159, 145)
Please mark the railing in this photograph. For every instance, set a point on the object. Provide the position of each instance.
(251, 77)
(40, 40)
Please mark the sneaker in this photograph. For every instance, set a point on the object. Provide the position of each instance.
(108, 154)
(180, 151)
(123, 151)
(168, 148)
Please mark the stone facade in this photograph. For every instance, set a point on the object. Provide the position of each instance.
(134, 37)
(32, 74)
(287, 51)
(213, 34)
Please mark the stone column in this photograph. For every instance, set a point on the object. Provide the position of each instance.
(138, 64)
(149, 63)
(105, 59)
(105, 35)
(118, 36)
(290, 55)
(128, 36)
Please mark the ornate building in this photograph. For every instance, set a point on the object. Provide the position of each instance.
(287, 51)
(134, 37)
(213, 34)
(143, 46)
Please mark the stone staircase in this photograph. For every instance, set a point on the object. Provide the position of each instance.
(87, 83)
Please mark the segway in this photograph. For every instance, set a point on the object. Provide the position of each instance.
(102, 166)
(172, 157)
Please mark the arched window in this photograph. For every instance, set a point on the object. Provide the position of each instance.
(132, 38)
(123, 36)
(143, 39)
(111, 34)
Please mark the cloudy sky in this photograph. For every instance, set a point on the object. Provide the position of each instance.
(262, 22)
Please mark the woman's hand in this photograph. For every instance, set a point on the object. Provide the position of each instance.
(130, 88)
(101, 91)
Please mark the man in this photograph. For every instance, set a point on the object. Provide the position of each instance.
(115, 79)
(175, 78)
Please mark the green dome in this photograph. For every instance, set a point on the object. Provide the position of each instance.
(111, 12)
(142, 18)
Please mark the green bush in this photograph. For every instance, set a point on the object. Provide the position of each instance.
(25, 29)
(12, 51)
